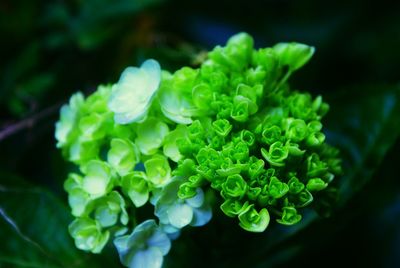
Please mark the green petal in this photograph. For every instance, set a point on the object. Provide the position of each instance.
(235, 186)
(158, 170)
(150, 135)
(222, 127)
(123, 155)
(295, 55)
(289, 216)
(254, 221)
(170, 148)
(87, 235)
(136, 186)
(98, 178)
(316, 184)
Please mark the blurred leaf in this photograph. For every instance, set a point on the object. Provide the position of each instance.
(33, 227)
(364, 123)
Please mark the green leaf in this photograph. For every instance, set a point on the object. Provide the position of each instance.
(33, 225)
(363, 124)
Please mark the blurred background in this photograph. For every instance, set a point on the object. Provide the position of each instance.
(51, 49)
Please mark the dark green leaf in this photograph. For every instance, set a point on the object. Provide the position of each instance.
(34, 228)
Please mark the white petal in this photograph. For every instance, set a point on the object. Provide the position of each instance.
(95, 185)
(132, 96)
(153, 70)
(180, 215)
(177, 118)
(197, 200)
(150, 258)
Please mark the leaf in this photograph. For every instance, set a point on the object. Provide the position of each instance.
(33, 227)
(363, 123)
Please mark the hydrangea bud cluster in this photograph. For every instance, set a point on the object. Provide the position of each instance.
(231, 128)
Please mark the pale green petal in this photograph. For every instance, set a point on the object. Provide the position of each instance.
(180, 215)
(138, 198)
(176, 107)
(64, 126)
(170, 148)
(158, 170)
(177, 118)
(150, 135)
(78, 200)
(106, 216)
(97, 179)
(87, 235)
(131, 98)
(123, 155)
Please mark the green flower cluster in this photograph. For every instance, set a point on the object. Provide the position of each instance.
(108, 186)
(231, 128)
(254, 141)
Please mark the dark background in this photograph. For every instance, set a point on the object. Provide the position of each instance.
(51, 49)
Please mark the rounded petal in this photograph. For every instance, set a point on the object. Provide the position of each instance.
(201, 217)
(161, 241)
(149, 258)
(180, 215)
(153, 70)
(132, 96)
(197, 200)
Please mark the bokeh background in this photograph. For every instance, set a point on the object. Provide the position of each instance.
(51, 49)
